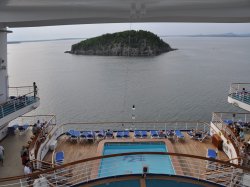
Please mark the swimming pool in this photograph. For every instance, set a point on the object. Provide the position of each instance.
(133, 164)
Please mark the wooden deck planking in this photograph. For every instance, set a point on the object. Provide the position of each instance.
(78, 151)
(186, 166)
(73, 151)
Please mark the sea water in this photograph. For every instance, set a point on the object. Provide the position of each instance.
(187, 84)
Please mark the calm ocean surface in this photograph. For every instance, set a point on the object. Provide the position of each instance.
(187, 84)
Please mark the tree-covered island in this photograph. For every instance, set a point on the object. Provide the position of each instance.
(127, 43)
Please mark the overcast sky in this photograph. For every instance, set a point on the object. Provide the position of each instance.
(91, 30)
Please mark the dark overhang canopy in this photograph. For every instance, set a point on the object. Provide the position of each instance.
(28, 13)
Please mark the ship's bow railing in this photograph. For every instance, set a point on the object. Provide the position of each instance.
(91, 169)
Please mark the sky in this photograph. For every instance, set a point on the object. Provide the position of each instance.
(92, 30)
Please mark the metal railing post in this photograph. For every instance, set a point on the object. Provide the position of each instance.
(2, 111)
(14, 105)
(199, 171)
(232, 178)
(25, 100)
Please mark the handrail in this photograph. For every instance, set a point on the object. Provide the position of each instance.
(35, 144)
(247, 113)
(35, 161)
(223, 128)
(23, 96)
(240, 92)
(34, 175)
(20, 87)
(126, 122)
(42, 161)
(240, 83)
(53, 135)
(237, 158)
(1, 105)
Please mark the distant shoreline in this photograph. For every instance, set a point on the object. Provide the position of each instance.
(167, 36)
(46, 40)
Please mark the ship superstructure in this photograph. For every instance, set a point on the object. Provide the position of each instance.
(50, 163)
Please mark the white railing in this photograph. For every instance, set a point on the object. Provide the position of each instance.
(19, 91)
(87, 170)
(240, 92)
(238, 87)
(47, 124)
(20, 97)
(115, 126)
(235, 117)
(218, 120)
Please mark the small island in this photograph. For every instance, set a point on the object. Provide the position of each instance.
(127, 43)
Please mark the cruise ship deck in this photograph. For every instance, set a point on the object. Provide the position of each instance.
(195, 163)
(82, 157)
(81, 150)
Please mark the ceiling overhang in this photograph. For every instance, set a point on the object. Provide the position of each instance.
(28, 13)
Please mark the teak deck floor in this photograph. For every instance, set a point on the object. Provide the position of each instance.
(182, 166)
(78, 151)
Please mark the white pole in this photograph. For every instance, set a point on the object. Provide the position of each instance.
(4, 83)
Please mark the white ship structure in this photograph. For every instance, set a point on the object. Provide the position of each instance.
(73, 154)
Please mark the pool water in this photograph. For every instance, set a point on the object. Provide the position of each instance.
(133, 164)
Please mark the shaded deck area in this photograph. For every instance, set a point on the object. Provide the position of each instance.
(12, 159)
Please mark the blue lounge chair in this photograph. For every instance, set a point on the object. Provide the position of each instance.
(144, 134)
(59, 158)
(154, 134)
(137, 134)
(211, 153)
(100, 134)
(87, 135)
(125, 134)
(70, 132)
(84, 134)
(23, 128)
(210, 164)
(119, 134)
(75, 135)
(15, 126)
(228, 121)
(179, 135)
(109, 134)
(90, 135)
